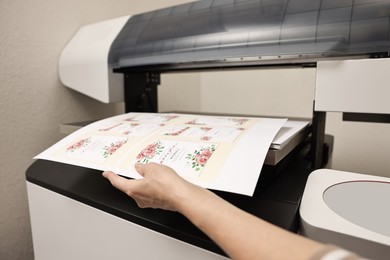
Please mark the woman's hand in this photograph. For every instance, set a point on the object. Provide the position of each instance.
(160, 188)
(241, 235)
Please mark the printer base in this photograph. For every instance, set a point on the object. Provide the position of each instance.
(64, 228)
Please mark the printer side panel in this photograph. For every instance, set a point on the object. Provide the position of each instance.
(355, 86)
(83, 63)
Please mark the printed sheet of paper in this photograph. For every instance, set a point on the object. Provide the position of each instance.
(222, 153)
(289, 129)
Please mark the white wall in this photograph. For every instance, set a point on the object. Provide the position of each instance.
(33, 102)
(360, 147)
(283, 92)
(180, 92)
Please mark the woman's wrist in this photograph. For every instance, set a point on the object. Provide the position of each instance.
(185, 196)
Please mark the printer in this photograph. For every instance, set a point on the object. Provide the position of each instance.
(76, 214)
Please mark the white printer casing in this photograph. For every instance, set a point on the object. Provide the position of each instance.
(83, 64)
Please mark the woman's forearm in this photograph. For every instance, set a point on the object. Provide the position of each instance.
(239, 234)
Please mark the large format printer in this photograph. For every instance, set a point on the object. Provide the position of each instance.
(76, 214)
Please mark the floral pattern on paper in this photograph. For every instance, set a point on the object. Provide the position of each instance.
(112, 148)
(149, 152)
(131, 119)
(151, 118)
(80, 144)
(168, 118)
(200, 157)
(109, 128)
(239, 121)
(205, 138)
(177, 133)
(218, 121)
(127, 132)
(194, 122)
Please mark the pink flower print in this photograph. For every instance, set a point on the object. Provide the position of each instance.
(203, 157)
(168, 118)
(112, 148)
(194, 122)
(205, 138)
(206, 129)
(109, 128)
(78, 145)
(131, 119)
(239, 121)
(177, 133)
(206, 153)
(132, 125)
(200, 158)
(149, 152)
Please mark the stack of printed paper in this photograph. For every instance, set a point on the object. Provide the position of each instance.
(222, 153)
(289, 136)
